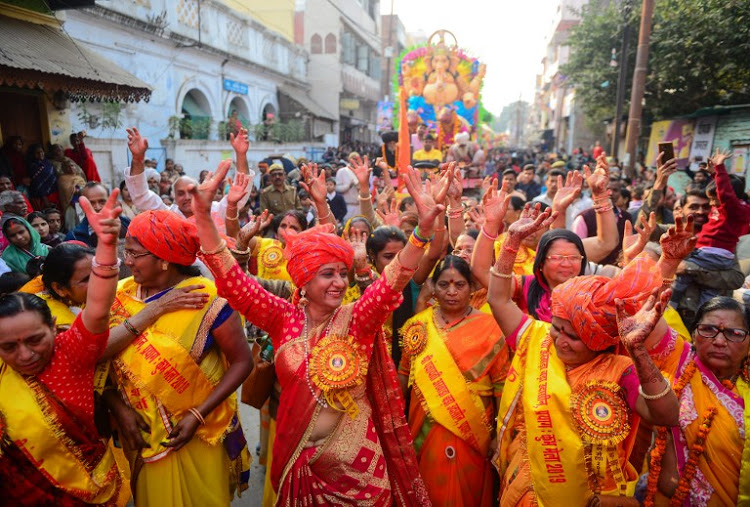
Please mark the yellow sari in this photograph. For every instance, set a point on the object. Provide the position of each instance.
(163, 373)
(524, 263)
(270, 257)
(552, 421)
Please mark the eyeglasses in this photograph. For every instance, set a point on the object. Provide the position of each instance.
(129, 254)
(731, 334)
(561, 258)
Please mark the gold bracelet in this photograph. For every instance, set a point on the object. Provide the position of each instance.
(196, 413)
(222, 246)
(505, 276)
(232, 219)
(652, 397)
(368, 198)
(240, 252)
(326, 215)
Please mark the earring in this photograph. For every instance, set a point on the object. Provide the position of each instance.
(303, 301)
(164, 266)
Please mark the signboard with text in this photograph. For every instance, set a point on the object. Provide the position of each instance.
(235, 86)
(703, 140)
(679, 132)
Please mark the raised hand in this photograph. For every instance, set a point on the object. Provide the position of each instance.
(240, 142)
(106, 223)
(429, 203)
(362, 170)
(532, 220)
(456, 190)
(252, 228)
(137, 144)
(476, 213)
(599, 179)
(389, 215)
(634, 240)
(495, 204)
(664, 171)
(634, 329)
(568, 192)
(239, 188)
(719, 158)
(314, 182)
(358, 242)
(679, 240)
(203, 194)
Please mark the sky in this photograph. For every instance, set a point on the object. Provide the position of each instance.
(507, 35)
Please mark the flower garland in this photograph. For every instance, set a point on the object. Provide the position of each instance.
(660, 444)
(696, 450)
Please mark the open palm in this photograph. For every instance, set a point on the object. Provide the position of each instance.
(531, 221)
(106, 223)
(634, 329)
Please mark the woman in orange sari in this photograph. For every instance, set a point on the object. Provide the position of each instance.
(455, 359)
(341, 436)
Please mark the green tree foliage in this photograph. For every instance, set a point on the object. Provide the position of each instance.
(698, 56)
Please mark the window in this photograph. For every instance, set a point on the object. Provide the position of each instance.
(348, 51)
(316, 44)
(363, 62)
(330, 44)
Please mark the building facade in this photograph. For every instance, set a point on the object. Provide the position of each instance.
(343, 38)
(556, 117)
(209, 65)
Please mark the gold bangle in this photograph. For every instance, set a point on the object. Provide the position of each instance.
(417, 243)
(505, 276)
(651, 397)
(222, 246)
(240, 252)
(196, 413)
(232, 219)
(368, 198)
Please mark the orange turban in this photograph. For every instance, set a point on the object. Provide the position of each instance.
(166, 235)
(588, 302)
(307, 251)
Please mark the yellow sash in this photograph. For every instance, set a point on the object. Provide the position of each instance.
(32, 425)
(63, 316)
(271, 260)
(744, 493)
(159, 370)
(554, 447)
(446, 396)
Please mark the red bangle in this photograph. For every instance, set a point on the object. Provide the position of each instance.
(488, 236)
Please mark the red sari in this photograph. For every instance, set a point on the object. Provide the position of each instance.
(369, 458)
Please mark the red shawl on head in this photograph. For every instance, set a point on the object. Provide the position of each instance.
(166, 235)
(588, 302)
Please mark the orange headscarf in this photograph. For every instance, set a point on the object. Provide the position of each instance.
(588, 302)
(166, 235)
(307, 251)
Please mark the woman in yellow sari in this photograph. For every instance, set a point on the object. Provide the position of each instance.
(570, 408)
(705, 460)
(179, 375)
(455, 359)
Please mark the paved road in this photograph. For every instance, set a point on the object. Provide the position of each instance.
(251, 425)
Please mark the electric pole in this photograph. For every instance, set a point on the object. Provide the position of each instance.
(615, 148)
(639, 85)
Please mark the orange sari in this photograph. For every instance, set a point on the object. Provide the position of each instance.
(455, 466)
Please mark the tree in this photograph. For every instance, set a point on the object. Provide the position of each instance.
(698, 56)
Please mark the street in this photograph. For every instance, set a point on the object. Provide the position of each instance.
(251, 425)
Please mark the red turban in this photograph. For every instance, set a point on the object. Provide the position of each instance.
(588, 302)
(166, 235)
(307, 251)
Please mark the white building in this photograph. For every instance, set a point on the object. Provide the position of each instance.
(556, 117)
(203, 60)
(344, 42)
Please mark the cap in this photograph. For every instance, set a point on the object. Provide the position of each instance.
(558, 165)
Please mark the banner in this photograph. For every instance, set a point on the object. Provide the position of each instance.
(738, 162)
(385, 115)
(679, 132)
(703, 140)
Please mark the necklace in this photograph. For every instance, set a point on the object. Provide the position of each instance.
(305, 339)
(446, 324)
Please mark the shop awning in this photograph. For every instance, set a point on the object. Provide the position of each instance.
(306, 102)
(40, 56)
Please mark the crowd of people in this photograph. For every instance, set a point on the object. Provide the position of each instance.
(485, 328)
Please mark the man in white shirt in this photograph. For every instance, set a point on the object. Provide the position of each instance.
(146, 199)
(348, 186)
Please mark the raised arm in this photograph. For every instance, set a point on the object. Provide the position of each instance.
(241, 143)
(499, 295)
(314, 182)
(247, 237)
(135, 177)
(105, 266)
(495, 205)
(656, 402)
(607, 237)
(455, 212)
(567, 192)
(362, 170)
(239, 188)
(634, 240)
(663, 172)
(243, 293)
